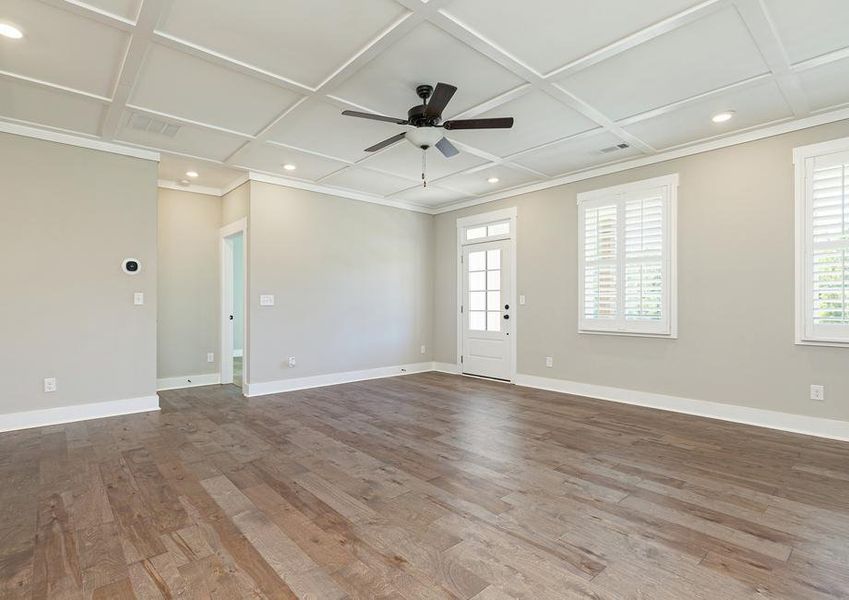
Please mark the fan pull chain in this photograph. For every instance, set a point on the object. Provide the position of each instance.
(424, 167)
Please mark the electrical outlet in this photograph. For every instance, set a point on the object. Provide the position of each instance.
(549, 361)
(292, 362)
(266, 300)
(49, 384)
(210, 357)
(423, 349)
(818, 393)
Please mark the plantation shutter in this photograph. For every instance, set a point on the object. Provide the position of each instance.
(827, 256)
(626, 273)
(644, 259)
(601, 264)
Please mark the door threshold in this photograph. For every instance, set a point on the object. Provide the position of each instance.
(496, 379)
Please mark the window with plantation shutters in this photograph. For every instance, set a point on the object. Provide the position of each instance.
(627, 258)
(822, 198)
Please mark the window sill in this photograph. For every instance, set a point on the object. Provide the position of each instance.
(662, 336)
(822, 343)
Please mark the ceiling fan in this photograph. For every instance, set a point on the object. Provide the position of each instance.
(426, 121)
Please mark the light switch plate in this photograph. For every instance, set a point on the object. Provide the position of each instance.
(210, 357)
(522, 299)
(266, 300)
(138, 298)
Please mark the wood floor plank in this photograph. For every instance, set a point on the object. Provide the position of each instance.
(429, 486)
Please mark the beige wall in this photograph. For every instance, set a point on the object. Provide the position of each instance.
(188, 283)
(70, 216)
(352, 281)
(235, 204)
(735, 287)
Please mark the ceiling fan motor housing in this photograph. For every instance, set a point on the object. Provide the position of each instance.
(417, 117)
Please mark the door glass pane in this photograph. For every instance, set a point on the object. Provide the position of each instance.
(477, 321)
(493, 321)
(493, 259)
(493, 280)
(474, 233)
(477, 261)
(477, 281)
(499, 229)
(477, 300)
(493, 301)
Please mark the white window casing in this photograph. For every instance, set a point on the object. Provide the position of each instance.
(627, 275)
(822, 243)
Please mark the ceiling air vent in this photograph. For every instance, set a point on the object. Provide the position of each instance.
(141, 122)
(615, 148)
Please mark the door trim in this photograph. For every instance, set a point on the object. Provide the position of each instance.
(225, 350)
(504, 214)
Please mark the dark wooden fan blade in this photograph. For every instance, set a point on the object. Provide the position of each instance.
(447, 148)
(387, 142)
(439, 99)
(500, 123)
(362, 115)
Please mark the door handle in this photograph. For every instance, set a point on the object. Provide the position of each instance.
(506, 307)
(506, 316)
(231, 317)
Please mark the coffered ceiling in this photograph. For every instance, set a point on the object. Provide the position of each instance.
(223, 87)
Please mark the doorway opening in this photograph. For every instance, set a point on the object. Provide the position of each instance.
(486, 285)
(233, 354)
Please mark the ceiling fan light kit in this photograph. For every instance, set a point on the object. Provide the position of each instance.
(425, 122)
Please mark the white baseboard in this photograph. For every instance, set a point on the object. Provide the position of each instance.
(187, 381)
(238, 353)
(446, 368)
(815, 426)
(78, 412)
(302, 383)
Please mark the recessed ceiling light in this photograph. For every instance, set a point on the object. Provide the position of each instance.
(10, 31)
(723, 116)
(191, 174)
(289, 167)
(493, 180)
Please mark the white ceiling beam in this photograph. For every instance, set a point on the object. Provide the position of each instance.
(54, 86)
(662, 110)
(92, 12)
(463, 33)
(184, 121)
(651, 32)
(819, 61)
(384, 40)
(228, 62)
(140, 41)
(765, 36)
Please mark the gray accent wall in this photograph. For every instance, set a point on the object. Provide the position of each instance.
(736, 253)
(188, 250)
(70, 216)
(352, 283)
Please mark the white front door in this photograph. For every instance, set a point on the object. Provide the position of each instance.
(486, 309)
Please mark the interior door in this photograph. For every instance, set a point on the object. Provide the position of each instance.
(487, 313)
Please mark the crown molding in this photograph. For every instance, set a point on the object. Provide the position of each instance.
(671, 154)
(236, 184)
(333, 191)
(195, 189)
(76, 140)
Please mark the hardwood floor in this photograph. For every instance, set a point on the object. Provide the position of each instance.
(424, 486)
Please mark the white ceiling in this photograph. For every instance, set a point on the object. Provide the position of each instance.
(255, 84)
